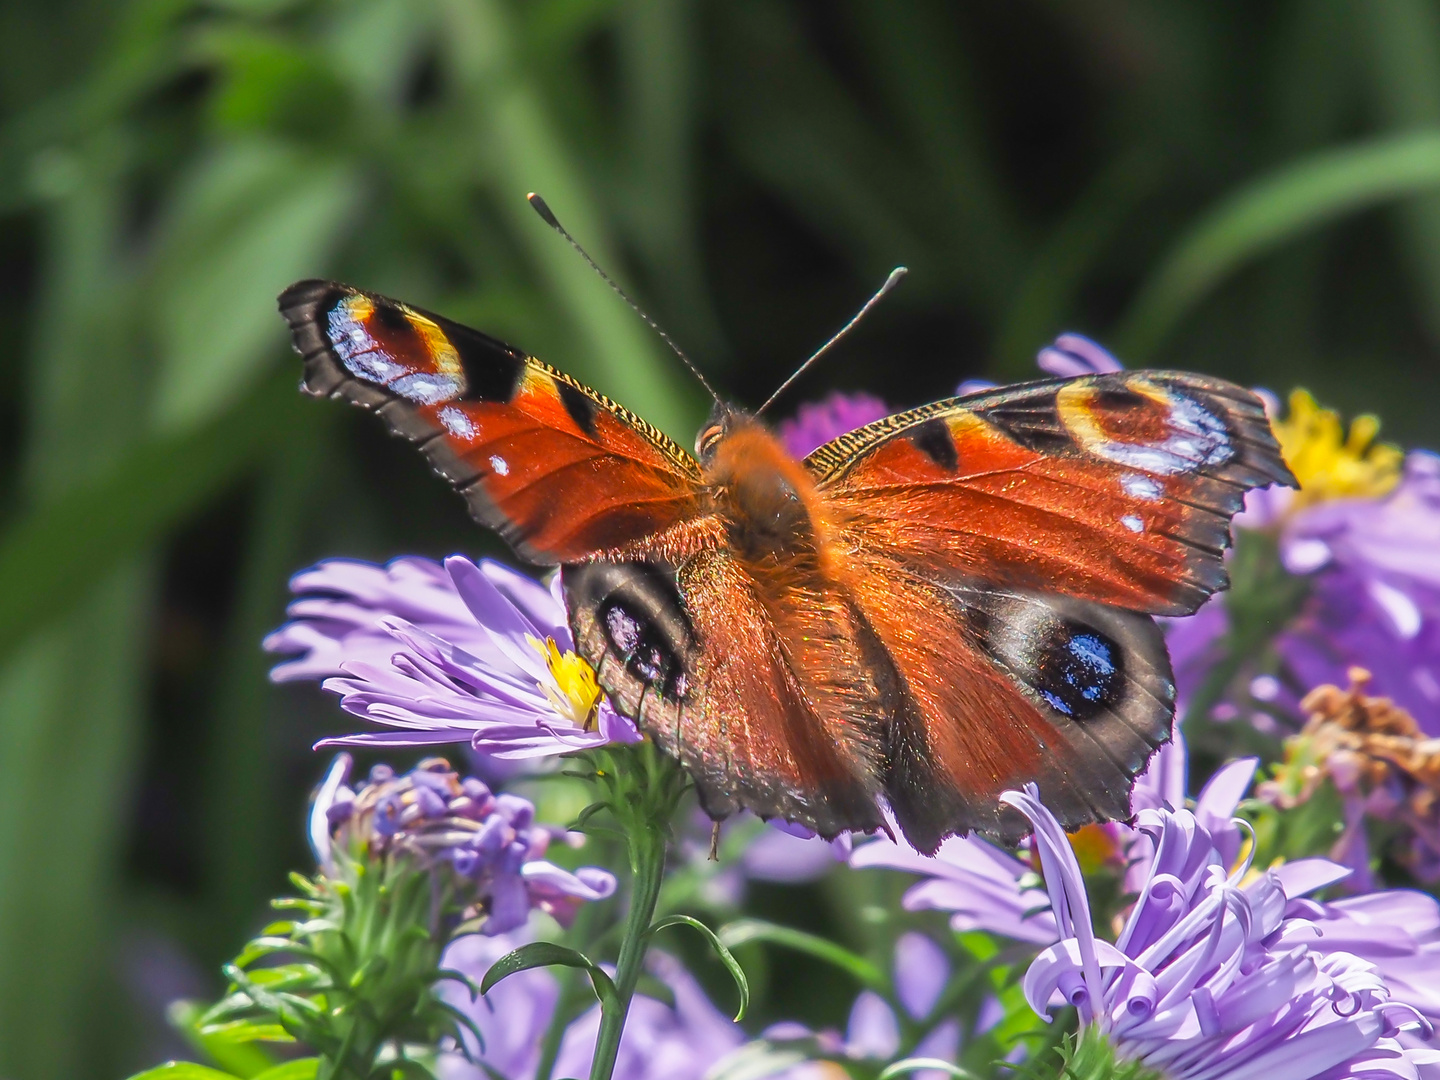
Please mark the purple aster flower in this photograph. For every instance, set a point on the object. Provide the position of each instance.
(1375, 598)
(489, 843)
(661, 1041)
(1210, 978)
(816, 423)
(986, 888)
(463, 652)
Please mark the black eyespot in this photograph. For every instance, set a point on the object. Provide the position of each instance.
(1074, 667)
(643, 648)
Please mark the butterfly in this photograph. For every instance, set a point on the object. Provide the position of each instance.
(924, 612)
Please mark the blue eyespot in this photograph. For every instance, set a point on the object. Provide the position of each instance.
(1076, 669)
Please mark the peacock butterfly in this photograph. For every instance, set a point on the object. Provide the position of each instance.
(924, 612)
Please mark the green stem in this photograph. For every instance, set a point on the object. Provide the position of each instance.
(647, 866)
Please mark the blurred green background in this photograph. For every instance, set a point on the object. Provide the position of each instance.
(1250, 189)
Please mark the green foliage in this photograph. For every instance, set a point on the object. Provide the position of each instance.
(1198, 182)
(359, 978)
(547, 954)
(1088, 1056)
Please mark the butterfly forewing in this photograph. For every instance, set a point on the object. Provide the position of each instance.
(1115, 488)
(561, 472)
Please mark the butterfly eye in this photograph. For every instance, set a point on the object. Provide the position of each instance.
(708, 437)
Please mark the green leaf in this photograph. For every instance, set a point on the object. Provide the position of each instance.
(1264, 213)
(744, 931)
(182, 1070)
(544, 954)
(300, 1069)
(726, 956)
(256, 217)
(912, 1065)
(57, 553)
(237, 1031)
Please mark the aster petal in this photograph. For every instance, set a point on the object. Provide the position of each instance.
(546, 879)
(921, 971)
(1075, 354)
(325, 797)
(873, 1031)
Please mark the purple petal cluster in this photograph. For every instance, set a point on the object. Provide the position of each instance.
(816, 423)
(1213, 976)
(1375, 599)
(490, 843)
(661, 1041)
(461, 652)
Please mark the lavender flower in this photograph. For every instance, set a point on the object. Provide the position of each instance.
(1375, 601)
(489, 843)
(661, 1042)
(1211, 978)
(816, 423)
(463, 652)
(987, 888)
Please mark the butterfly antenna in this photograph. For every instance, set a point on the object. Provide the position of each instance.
(548, 216)
(890, 283)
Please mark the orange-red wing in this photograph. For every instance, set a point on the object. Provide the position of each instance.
(1116, 488)
(986, 689)
(561, 472)
(718, 684)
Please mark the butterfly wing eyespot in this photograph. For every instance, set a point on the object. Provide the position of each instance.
(561, 472)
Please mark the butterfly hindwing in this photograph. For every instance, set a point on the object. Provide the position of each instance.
(694, 656)
(989, 688)
(560, 471)
(1117, 488)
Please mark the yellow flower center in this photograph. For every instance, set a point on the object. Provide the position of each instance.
(571, 688)
(1331, 463)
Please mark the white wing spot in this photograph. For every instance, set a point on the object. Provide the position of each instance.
(1133, 523)
(456, 422)
(500, 465)
(1141, 487)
